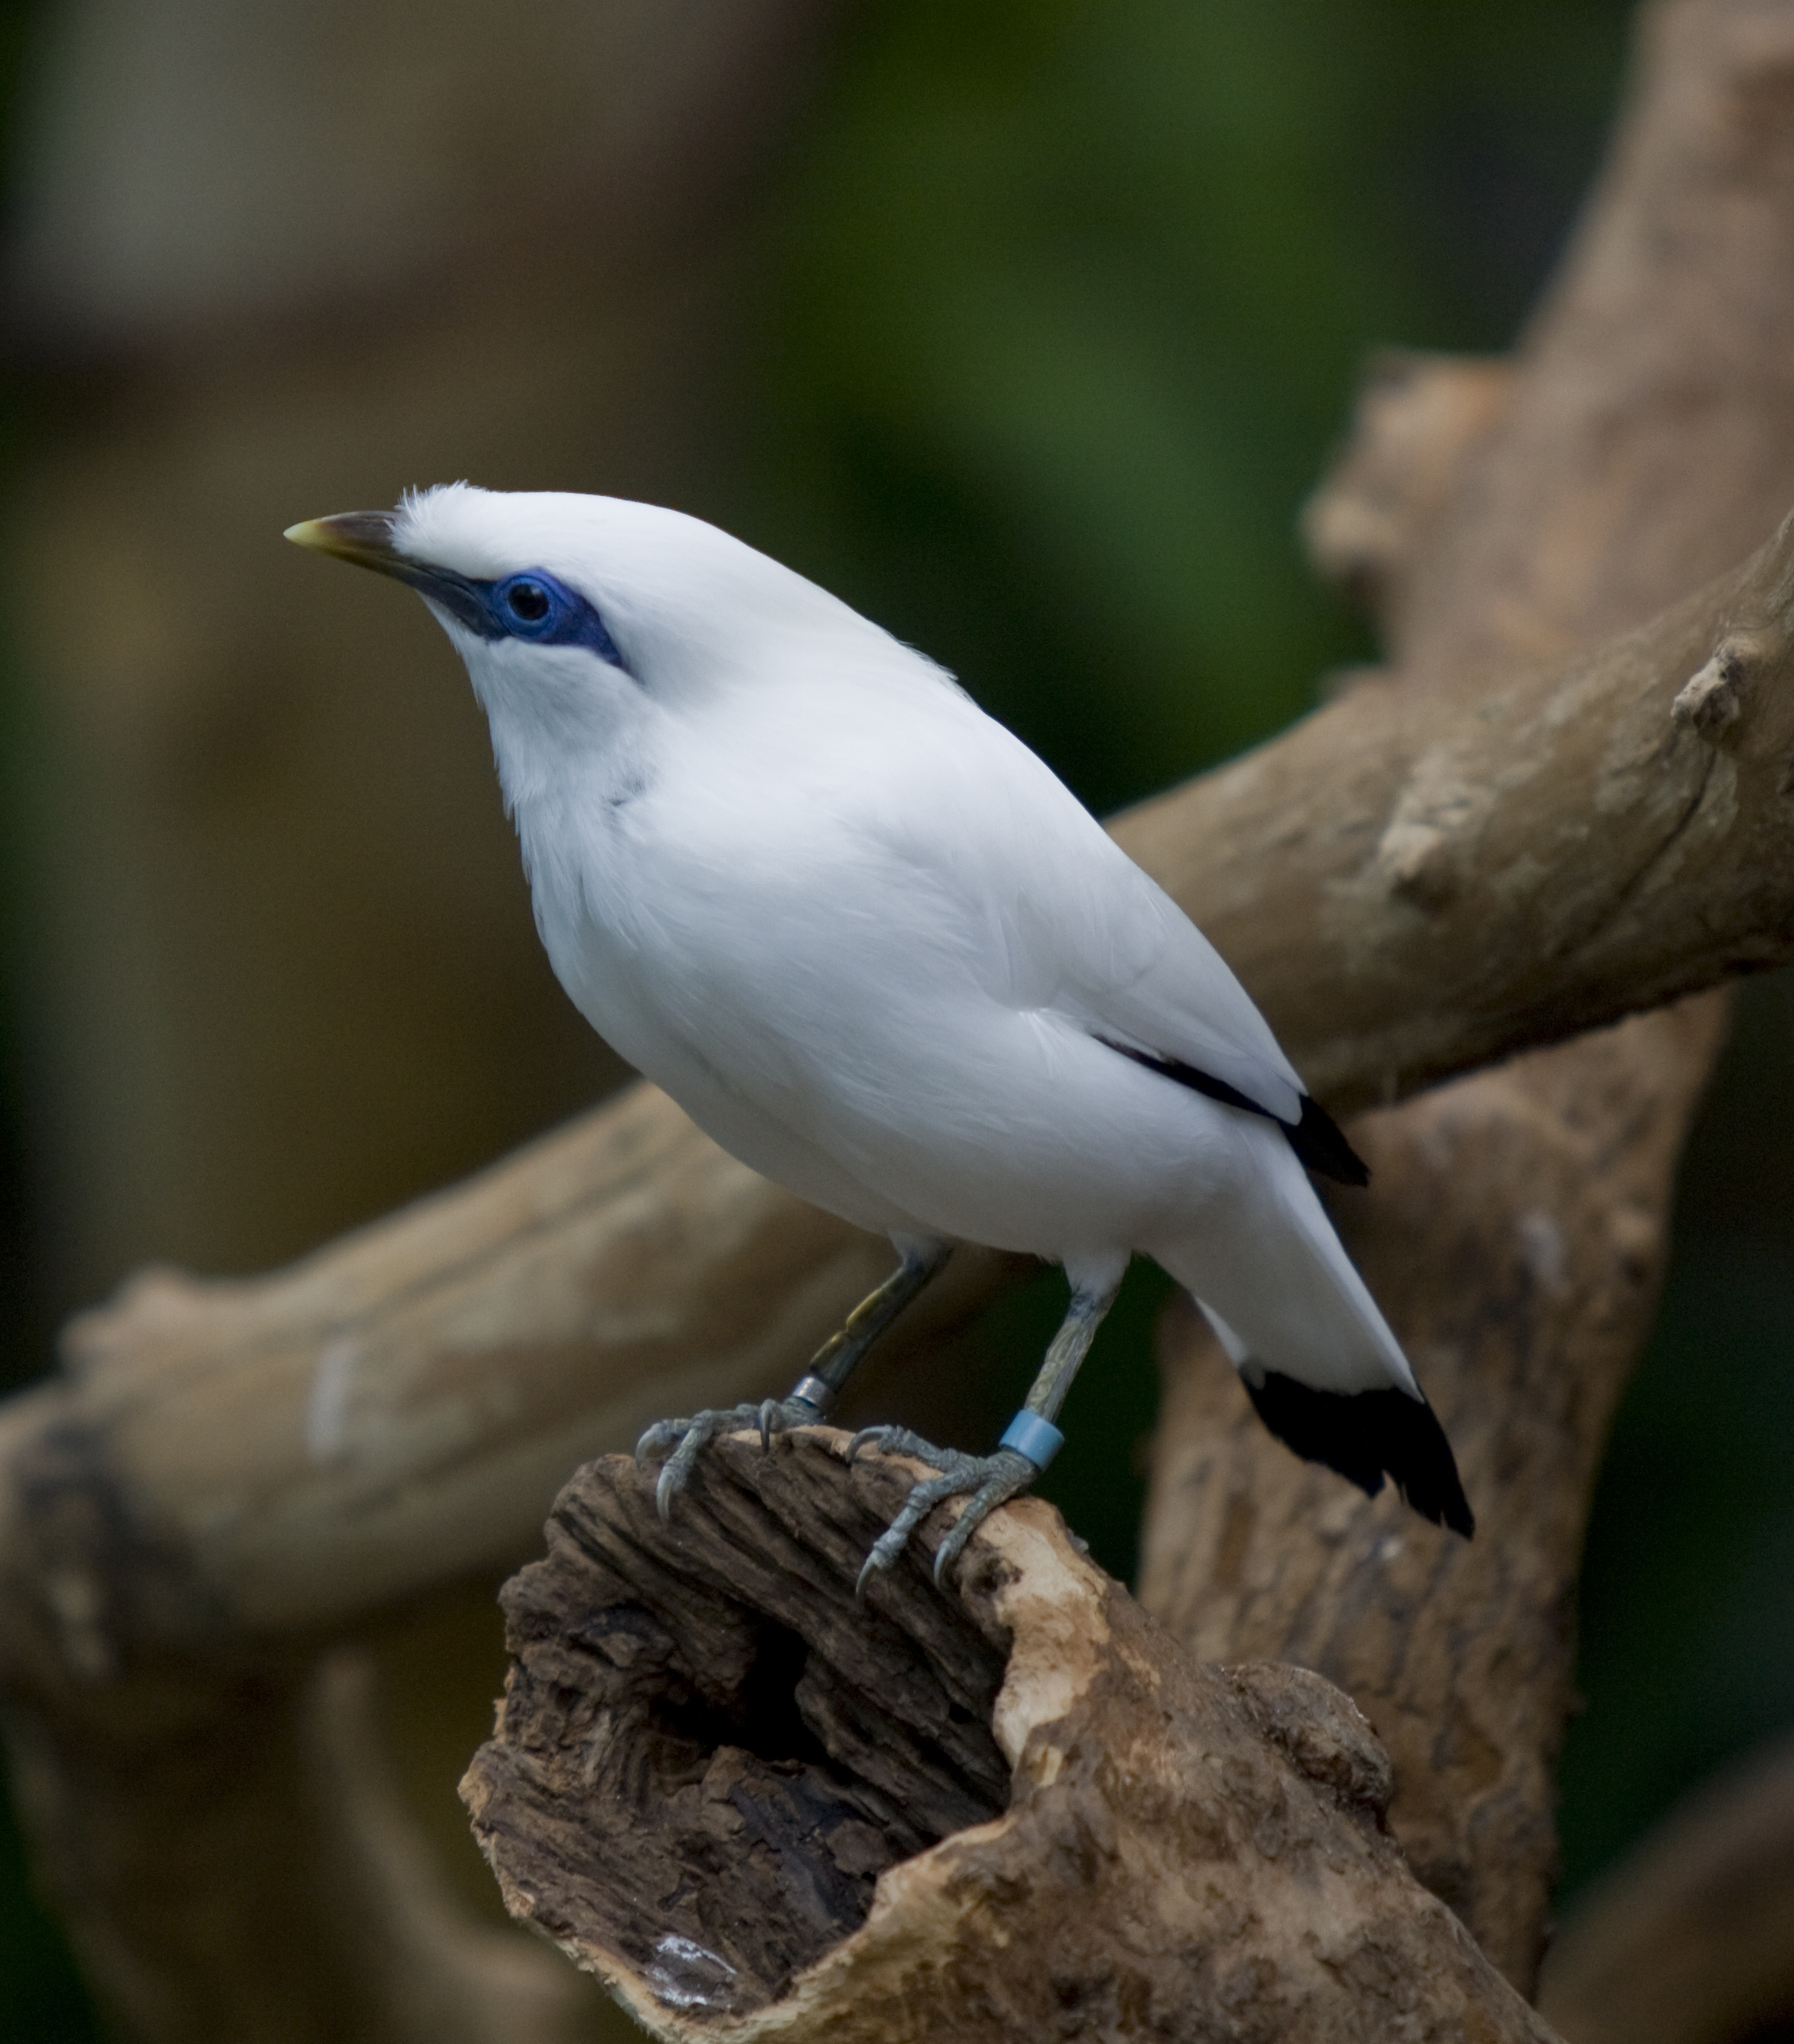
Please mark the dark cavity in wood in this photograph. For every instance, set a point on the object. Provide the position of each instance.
(705, 1768)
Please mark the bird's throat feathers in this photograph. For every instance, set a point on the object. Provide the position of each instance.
(557, 716)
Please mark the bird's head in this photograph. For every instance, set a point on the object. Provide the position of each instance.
(563, 606)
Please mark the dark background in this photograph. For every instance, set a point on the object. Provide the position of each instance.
(1044, 317)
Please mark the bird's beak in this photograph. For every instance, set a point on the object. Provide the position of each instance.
(364, 537)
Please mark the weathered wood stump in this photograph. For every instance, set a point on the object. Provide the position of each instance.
(1011, 1809)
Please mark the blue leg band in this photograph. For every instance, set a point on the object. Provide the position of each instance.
(1030, 1435)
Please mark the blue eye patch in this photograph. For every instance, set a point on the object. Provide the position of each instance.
(532, 605)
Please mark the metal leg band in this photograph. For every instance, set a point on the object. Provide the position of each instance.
(815, 1392)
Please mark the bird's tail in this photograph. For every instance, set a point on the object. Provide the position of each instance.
(1323, 1369)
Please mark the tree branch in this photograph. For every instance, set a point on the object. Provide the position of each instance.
(1427, 876)
(1515, 1237)
(757, 1807)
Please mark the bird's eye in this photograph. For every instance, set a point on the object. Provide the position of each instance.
(536, 608)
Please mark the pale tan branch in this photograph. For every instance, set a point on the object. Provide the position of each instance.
(1420, 417)
(1426, 876)
(185, 1819)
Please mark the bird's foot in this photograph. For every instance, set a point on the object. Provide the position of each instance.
(985, 1481)
(688, 1438)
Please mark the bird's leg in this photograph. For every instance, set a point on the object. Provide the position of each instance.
(1029, 1443)
(815, 1391)
(840, 1355)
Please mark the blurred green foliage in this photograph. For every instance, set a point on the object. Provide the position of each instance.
(1064, 307)
(1059, 309)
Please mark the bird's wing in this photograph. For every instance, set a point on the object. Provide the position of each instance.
(1138, 972)
(1080, 929)
(1129, 967)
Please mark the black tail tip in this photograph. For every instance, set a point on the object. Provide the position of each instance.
(1363, 1434)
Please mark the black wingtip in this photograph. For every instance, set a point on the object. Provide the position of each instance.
(1362, 1434)
(1316, 1138)
(1319, 1143)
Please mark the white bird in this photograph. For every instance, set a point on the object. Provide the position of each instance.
(872, 945)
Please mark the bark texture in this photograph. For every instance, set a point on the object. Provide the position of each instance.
(1019, 1809)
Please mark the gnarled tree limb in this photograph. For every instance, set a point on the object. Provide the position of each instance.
(1515, 1237)
(759, 1809)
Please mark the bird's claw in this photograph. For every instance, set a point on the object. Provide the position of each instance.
(985, 1481)
(688, 1438)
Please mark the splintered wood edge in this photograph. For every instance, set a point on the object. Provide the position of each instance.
(1180, 1827)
